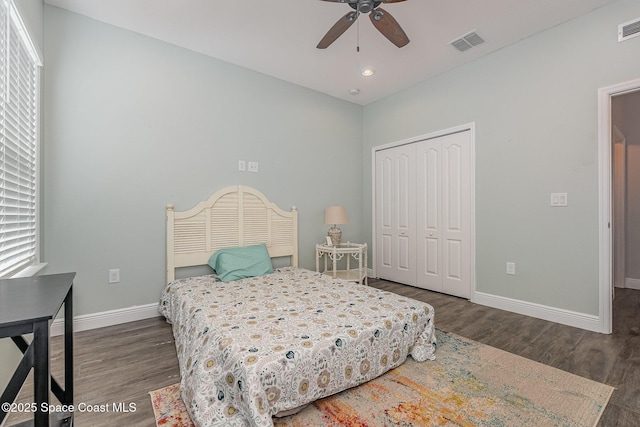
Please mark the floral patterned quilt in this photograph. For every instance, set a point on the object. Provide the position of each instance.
(253, 348)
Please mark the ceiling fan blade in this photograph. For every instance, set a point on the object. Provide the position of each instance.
(389, 27)
(338, 29)
(383, 1)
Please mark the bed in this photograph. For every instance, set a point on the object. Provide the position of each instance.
(267, 345)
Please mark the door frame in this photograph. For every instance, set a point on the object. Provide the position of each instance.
(471, 127)
(605, 196)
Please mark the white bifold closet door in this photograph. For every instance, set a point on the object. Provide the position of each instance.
(396, 214)
(443, 214)
(423, 216)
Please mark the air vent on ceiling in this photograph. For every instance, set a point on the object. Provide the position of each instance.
(467, 41)
(629, 30)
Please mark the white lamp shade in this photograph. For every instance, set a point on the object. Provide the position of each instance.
(335, 215)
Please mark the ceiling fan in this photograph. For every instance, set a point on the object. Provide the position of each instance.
(381, 19)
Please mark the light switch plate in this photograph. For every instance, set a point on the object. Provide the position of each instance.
(559, 199)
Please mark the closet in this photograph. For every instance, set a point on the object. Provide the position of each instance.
(423, 213)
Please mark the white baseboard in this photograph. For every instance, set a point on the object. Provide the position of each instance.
(590, 322)
(107, 318)
(632, 283)
(552, 314)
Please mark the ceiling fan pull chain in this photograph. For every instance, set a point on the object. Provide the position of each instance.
(357, 36)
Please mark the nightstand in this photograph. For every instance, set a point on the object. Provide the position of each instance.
(355, 251)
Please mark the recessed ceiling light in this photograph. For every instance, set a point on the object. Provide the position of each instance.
(368, 72)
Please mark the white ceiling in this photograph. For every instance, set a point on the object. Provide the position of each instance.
(278, 37)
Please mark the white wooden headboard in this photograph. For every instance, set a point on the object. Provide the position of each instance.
(231, 217)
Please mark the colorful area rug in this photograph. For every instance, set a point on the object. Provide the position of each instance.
(470, 384)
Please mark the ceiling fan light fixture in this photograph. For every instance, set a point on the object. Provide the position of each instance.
(366, 6)
(368, 72)
(381, 19)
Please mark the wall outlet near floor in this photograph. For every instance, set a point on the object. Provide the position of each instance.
(114, 275)
(253, 166)
(511, 268)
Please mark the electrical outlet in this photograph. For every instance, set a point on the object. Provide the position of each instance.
(253, 166)
(114, 275)
(511, 268)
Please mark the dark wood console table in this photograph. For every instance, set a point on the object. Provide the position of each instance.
(29, 305)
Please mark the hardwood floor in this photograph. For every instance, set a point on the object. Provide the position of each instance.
(121, 364)
(611, 359)
(114, 365)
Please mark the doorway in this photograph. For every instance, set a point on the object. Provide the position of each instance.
(625, 141)
(619, 192)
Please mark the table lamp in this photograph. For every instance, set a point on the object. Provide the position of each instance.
(335, 215)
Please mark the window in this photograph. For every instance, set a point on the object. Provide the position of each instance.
(19, 140)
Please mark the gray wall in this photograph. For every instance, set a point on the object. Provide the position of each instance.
(535, 109)
(132, 124)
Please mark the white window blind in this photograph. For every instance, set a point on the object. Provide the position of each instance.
(18, 144)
